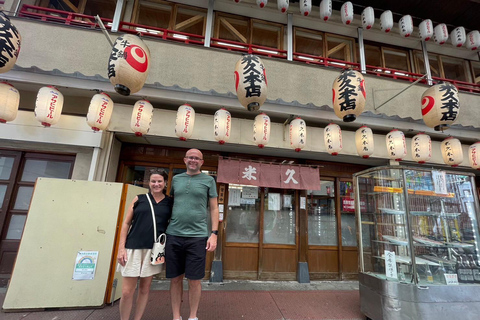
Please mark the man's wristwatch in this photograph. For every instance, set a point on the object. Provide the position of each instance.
(215, 232)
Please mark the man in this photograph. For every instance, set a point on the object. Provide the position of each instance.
(187, 232)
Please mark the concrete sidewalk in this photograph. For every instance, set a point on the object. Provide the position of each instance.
(243, 300)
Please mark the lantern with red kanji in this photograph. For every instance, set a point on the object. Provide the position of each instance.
(386, 21)
(185, 122)
(10, 41)
(452, 152)
(100, 111)
(251, 82)
(364, 142)
(473, 40)
(9, 102)
(421, 147)
(332, 135)
(261, 130)
(305, 7)
(142, 115)
(347, 12)
(48, 106)
(440, 106)
(368, 18)
(426, 29)
(325, 9)
(440, 33)
(298, 134)
(222, 125)
(349, 95)
(282, 5)
(474, 155)
(406, 25)
(396, 145)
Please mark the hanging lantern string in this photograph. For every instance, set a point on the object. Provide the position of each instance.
(271, 162)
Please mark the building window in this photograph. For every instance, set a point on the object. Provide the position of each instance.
(339, 48)
(385, 57)
(476, 72)
(308, 42)
(103, 8)
(442, 66)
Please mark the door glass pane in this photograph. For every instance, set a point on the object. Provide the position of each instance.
(454, 69)
(279, 216)
(349, 233)
(243, 214)
(46, 169)
(24, 196)
(15, 228)
(3, 190)
(322, 222)
(6, 165)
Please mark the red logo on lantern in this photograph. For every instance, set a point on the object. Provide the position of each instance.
(427, 104)
(136, 57)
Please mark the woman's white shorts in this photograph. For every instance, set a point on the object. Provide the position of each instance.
(138, 264)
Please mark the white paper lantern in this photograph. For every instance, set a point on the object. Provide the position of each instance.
(396, 145)
(332, 135)
(142, 115)
(262, 3)
(364, 142)
(305, 7)
(222, 125)
(421, 147)
(100, 111)
(237, 1)
(426, 29)
(298, 134)
(347, 12)
(282, 5)
(386, 21)
(452, 152)
(440, 106)
(473, 40)
(261, 130)
(440, 33)
(349, 95)
(406, 25)
(185, 122)
(48, 106)
(474, 155)
(368, 18)
(325, 9)
(9, 102)
(458, 37)
(251, 82)
(10, 41)
(128, 64)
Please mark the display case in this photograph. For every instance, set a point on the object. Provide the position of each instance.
(418, 243)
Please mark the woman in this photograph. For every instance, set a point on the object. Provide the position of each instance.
(136, 242)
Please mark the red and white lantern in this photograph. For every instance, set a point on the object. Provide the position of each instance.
(9, 102)
(251, 82)
(282, 5)
(325, 9)
(262, 3)
(452, 151)
(298, 134)
(406, 25)
(473, 40)
(440, 33)
(305, 7)
(237, 1)
(347, 12)
(458, 37)
(474, 155)
(100, 111)
(10, 41)
(368, 18)
(349, 95)
(396, 145)
(364, 142)
(332, 135)
(48, 106)
(184, 122)
(128, 64)
(386, 21)
(141, 117)
(421, 147)
(222, 125)
(440, 106)
(261, 130)
(426, 29)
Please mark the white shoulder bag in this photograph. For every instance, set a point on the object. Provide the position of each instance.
(158, 250)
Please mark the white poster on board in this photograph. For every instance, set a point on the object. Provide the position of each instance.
(234, 197)
(439, 182)
(274, 201)
(85, 265)
(250, 192)
(390, 264)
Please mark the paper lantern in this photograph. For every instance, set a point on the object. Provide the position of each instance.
(142, 115)
(332, 135)
(421, 147)
(10, 41)
(325, 9)
(237, 1)
(364, 142)
(48, 106)
(474, 155)
(386, 21)
(100, 111)
(282, 5)
(347, 12)
(262, 3)
(396, 145)
(473, 40)
(458, 37)
(9, 102)
(261, 130)
(440, 106)
(305, 7)
(349, 95)
(184, 122)
(222, 125)
(452, 152)
(251, 82)
(426, 29)
(298, 134)
(406, 25)
(368, 18)
(128, 64)
(440, 33)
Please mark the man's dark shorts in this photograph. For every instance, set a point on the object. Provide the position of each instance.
(185, 255)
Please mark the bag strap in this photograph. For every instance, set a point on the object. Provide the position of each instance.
(154, 221)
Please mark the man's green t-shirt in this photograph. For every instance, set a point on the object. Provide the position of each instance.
(191, 195)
